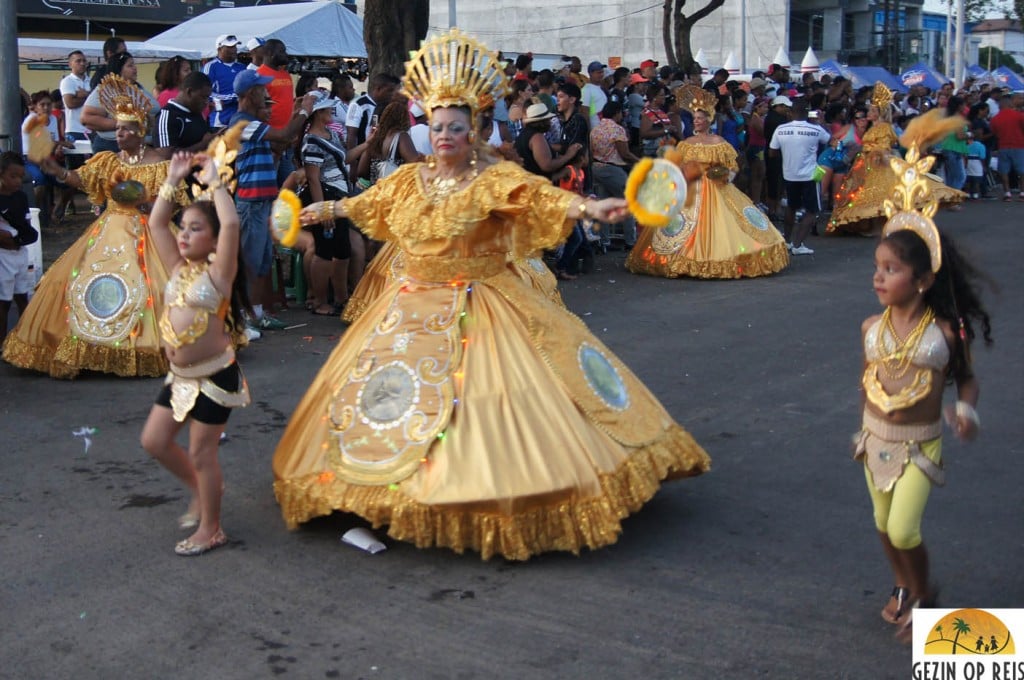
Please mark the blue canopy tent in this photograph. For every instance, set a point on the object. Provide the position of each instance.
(831, 68)
(975, 71)
(867, 76)
(1007, 78)
(923, 74)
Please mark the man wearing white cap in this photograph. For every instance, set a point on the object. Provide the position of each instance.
(255, 49)
(420, 132)
(222, 71)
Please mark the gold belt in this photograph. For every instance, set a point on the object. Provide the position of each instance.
(448, 269)
(187, 382)
(886, 448)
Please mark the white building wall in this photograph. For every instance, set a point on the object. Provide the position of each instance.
(622, 30)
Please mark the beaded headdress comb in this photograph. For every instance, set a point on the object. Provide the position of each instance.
(696, 99)
(124, 100)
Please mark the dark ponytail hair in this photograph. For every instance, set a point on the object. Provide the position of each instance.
(240, 304)
(954, 295)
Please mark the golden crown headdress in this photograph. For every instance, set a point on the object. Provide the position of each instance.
(124, 100)
(454, 69)
(695, 99)
(881, 97)
(911, 189)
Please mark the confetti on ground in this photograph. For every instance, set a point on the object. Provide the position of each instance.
(86, 434)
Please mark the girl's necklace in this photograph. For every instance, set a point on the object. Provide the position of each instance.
(136, 159)
(897, 361)
(439, 188)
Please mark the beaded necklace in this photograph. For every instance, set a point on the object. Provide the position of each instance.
(897, 362)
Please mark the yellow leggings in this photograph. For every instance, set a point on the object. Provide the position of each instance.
(898, 511)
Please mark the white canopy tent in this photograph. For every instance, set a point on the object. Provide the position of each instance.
(314, 29)
(46, 50)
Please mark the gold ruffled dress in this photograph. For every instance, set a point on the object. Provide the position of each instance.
(389, 265)
(871, 181)
(98, 306)
(720, 233)
(464, 409)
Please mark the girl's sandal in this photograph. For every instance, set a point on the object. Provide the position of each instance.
(187, 548)
(900, 595)
(905, 633)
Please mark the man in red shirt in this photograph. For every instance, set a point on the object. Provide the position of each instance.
(1008, 127)
(281, 91)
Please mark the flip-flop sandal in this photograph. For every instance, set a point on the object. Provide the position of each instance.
(900, 594)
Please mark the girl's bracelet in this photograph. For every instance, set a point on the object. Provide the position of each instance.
(167, 192)
(326, 211)
(965, 410)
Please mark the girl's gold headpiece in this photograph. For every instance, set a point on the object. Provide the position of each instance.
(454, 69)
(881, 97)
(912, 187)
(124, 100)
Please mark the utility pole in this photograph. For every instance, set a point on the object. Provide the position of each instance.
(451, 13)
(10, 93)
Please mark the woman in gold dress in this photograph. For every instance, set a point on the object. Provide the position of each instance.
(464, 409)
(720, 233)
(859, 202)
(97, 308)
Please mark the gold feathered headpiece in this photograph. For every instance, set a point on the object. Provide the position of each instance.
(881, 96)
(694, 99)
(223, 149)
(454, 69)
(912, 187)
(124, 100)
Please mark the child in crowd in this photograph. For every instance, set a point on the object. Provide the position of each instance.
(976, 153)
(15, 233)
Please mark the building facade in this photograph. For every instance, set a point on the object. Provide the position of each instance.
(625, 29)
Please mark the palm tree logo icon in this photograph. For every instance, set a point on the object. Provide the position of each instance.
(971, 631)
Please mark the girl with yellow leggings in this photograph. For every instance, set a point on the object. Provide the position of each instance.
(920, 341)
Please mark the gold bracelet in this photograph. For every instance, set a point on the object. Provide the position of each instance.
(326, 211)
(582, 208)
(167, 192)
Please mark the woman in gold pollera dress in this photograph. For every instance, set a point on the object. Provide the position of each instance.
(464, 409)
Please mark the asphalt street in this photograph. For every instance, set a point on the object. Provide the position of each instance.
(766, 567)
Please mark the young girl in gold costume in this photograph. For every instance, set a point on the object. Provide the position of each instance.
(464, 409)
(204, 301)
(910, 350)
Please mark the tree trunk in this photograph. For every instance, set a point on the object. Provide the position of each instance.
(392, 29)
(676, 28)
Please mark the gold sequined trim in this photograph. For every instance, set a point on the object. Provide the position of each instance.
(762, 263)
(560, 522)
(73, 356)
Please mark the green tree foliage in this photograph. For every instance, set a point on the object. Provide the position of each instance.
(990, 58)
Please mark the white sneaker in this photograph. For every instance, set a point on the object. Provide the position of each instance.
(789, 246)
(802, 250)
(252, 334)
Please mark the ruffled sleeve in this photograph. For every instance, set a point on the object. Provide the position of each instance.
(95, 176)
(373, 210)
(536, 210)
(721, 153)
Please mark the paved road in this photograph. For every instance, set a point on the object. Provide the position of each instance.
(766, 567)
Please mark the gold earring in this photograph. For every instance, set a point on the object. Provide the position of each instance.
(473, 159)
(471, 136)
(431, 162)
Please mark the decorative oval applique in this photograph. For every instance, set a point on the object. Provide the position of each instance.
(105, 296)
(602, 377)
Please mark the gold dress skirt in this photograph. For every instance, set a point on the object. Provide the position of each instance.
(98, 305)
(389, 266)
(871, 180)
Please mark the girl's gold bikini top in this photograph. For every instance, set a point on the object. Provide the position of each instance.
(191, 288)
(884, 350)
